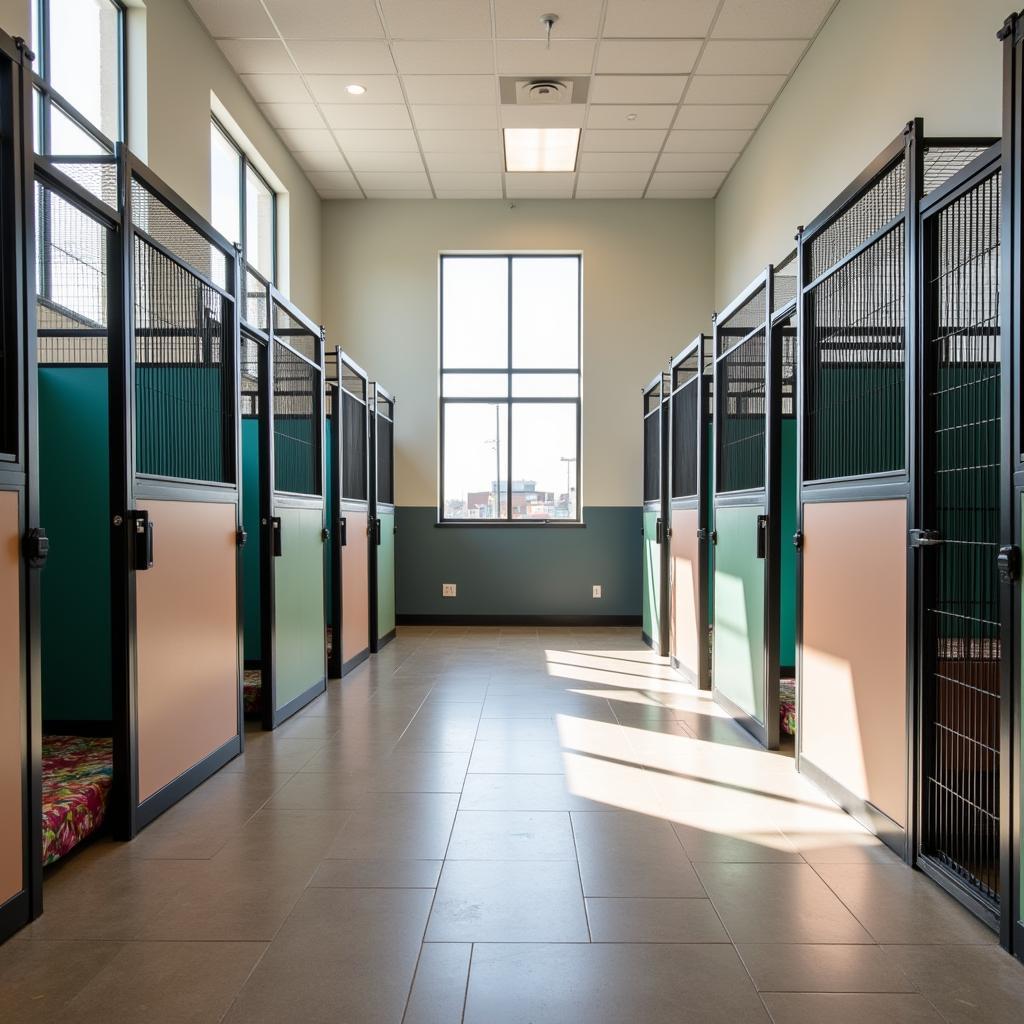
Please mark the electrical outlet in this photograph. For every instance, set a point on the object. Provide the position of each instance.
(597, 590)
(448, 590)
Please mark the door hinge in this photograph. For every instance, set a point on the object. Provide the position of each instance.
(36, 547)
(924, 538)
(798, 540)
(241, 536)
(325, 534)
(714, 536)
(702, 534)
(1008, 563)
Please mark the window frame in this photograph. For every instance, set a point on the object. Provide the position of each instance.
(245, 164)
(49, 97)
(508, 374)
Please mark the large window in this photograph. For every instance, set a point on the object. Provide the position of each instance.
(510, 388)
(243, 206)
(80, 60)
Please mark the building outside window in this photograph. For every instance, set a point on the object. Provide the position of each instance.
(510, 388)
(243, 206)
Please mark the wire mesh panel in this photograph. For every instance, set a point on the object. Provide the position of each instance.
(742, 412)
(257, 301)
(297, 391)
(652, 444)
(295, 333)
(71, 283)
(961, 827)
(354, 441)
(854, 331)
(385, 451)
(251, 369)
(943, 160)
(741, 322)
(685, 438)
(182, 353)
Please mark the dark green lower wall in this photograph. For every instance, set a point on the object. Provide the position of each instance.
(251, 523)
(74, 503)
(787, 574)
(527, 571)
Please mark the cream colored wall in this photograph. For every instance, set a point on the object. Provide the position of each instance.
(183, 66)
(647, 289)
(875, 65)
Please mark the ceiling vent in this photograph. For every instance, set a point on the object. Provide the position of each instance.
(544, 92)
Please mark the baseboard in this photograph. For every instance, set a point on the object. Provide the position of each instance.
(78, 727)
(282, 714)
(874, 820)
(355, 661)
(519, 620)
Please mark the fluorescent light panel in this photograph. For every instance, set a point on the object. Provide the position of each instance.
(541, 149)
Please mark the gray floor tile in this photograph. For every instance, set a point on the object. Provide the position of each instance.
(439, 989)
(849, 1008)
(512, 835)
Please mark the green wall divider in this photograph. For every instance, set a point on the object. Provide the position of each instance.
(652, 578)
(299, 603)
(252, 601)
(332, 525)
(787, 567)
(738, 662)
(386, 575)
(74, 499)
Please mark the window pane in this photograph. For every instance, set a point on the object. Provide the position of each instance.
(474, 326)
(544, 462)
(545, 385)
(67, 139)
(225, 185)
(475, 385)
(259, 223)
(475, 460)
(84, 55)
(545, 312)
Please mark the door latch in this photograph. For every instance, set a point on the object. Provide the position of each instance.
(343, 531)
(762, 536)
(702, 534)
(659, 529)
(378, 531)
(142, 540)
(36, 547)
(798, 540)
(1008, 563)
(714, 536)
(924, 538)
(275, 530)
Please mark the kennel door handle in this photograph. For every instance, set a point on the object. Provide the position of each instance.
(343, 531)
(378, 532)
(142, 540)
(36, 547)
(925, 538)
(275, 530)
(658, 531)
(762, 536)
(1008, 563)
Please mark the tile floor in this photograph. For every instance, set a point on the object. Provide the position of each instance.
(504, 827)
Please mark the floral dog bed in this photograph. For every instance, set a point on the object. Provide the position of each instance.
(787, 705)
(77, 772)
(252, 691)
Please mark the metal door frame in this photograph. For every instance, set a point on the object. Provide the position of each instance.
(701, 347)
(378, 642)
(660, 386)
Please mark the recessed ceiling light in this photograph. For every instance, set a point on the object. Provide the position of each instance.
(541, 149)
(355, 90)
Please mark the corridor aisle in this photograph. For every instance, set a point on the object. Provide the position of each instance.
(504, 826)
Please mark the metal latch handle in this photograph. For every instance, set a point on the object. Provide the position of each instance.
(925, 538)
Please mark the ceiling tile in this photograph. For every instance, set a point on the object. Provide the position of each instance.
(334, 193)
(653, 18)
(379, 89)
(532, 57)
(734, 88)
(393, 180)
(463, 162)
(452, 116)
(292, 115)
(681, 193)
(687, 179)
(781, 19)
(647, 56)
(720, 115)
(607, 193)
(619, 117)
(520, 19)
(375, 117)
(377, 142)
(617, 161)
(527, 189)
(326, 19)
(468, 180)
(257, 56)
(622, 141)
(468, 193)
(569, 115)
(612, 181)
(706, 142)
(696, 161)
(637, 88)
(438, 19)
(393, 194)
(276, 88)
(539, 182)
(308, 140)
(322, 160)
(459, 141)
(751, 57)
(394, 162)
(328, 57)
(464, 57)
(235, 19)
(450, 88)
(332, 179)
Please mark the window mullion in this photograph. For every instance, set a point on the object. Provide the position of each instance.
(508, 392)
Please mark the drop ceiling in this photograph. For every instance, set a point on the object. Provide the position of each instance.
(677, 88)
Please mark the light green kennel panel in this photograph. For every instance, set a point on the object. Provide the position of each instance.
(386, 575)
(652, 579)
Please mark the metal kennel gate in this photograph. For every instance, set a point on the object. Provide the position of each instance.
(655, 523)
(382, 516)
